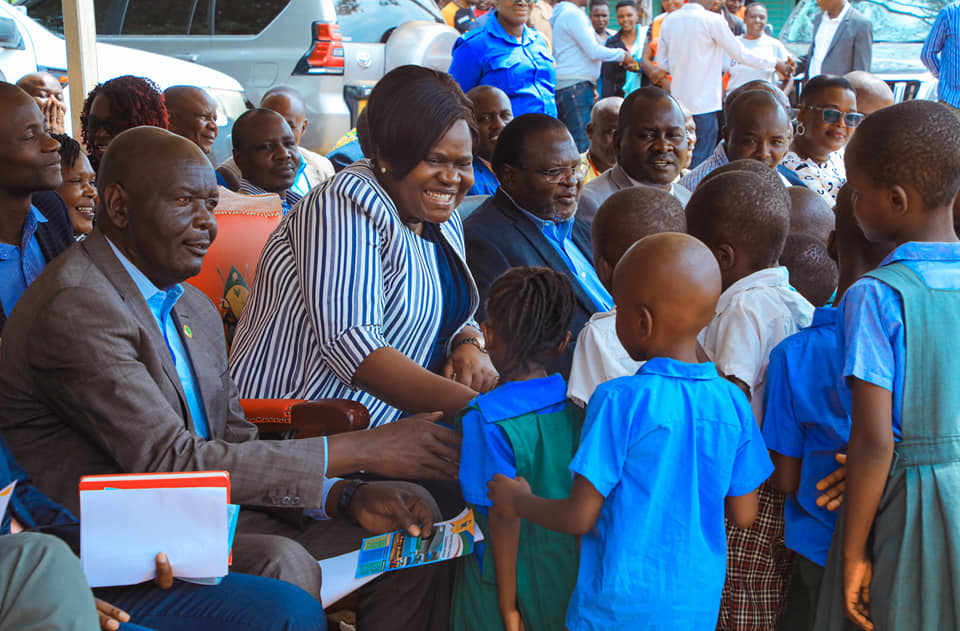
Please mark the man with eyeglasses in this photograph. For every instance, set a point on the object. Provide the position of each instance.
(531, 220)
(651, 144)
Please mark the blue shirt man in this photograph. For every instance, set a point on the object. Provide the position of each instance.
(805, 417)
(161, 303)
(665, 447)
(941, 54)
(523, 68)
(484, 180)
(21, 264)
(873, 326)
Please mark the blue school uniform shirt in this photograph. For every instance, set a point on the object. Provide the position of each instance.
(524, 69)
(664, 447)
(873, 329)
(805, 417)
(487, 450)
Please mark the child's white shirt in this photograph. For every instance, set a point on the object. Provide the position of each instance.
(753, 315)
(598, 357)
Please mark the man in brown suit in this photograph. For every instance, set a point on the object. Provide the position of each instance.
(109, 365)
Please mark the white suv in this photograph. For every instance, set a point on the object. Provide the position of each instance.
(332, 51)
(26, 47)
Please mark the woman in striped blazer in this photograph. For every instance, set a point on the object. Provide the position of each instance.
(362, 292)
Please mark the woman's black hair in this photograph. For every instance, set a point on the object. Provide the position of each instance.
(409, 111)
(70, 149)
(822, 82)
(534, 307)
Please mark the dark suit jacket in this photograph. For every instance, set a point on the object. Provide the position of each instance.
(498, 236)
(54, 236)
(851, 48)
(88, 386)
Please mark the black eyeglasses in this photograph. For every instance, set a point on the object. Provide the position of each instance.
(556, 174)
(832, 116)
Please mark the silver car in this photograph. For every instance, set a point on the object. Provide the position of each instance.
(332, 51)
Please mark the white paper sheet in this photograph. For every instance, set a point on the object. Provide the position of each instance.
(122, 530)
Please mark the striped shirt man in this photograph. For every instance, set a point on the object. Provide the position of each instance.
(941, 54)
(339, 278)
(288, 199)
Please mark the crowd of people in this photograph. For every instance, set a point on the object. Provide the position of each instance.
(663, 354)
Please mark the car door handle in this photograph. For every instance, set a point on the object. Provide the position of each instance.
(187, 56)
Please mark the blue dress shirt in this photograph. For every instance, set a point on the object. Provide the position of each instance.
(20, 265)
(875, 347)
(558, 235)
(484, 181)
(665, 447)
(805, 417)
(523, 69)
(941, 53)
(161, 303)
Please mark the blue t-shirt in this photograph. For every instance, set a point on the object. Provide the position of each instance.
(873, 330)
(805, 417)
(664, 447)
(523, 69)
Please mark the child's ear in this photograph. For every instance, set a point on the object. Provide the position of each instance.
(899, 201)
(644, 322)
(563, 344)
(832, 247)
(604, 272)
(488, 333)
(725, 255)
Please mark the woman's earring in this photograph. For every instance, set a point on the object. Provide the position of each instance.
(801, 130)
(383, 170)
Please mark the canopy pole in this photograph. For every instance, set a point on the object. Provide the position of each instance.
(80, 33)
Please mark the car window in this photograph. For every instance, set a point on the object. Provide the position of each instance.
(896, 21)
(49, 13)
(370, 20)
(171, 17)
(246, 17)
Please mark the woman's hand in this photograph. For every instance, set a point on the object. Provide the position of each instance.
(470, 366)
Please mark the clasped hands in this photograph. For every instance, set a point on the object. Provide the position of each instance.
(786, 68)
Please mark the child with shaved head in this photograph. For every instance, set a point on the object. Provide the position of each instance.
(623, 219)
(895, 557)
(744, 221)
(664, 455)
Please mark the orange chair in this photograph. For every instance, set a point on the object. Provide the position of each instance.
(244, 223)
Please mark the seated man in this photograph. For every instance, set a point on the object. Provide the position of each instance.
(530, 220)
(258, 602)
(757, 127)
(33, 228)
(110, 365)
(652, 146)
(48, 93)
(491, 108)
(601, 155)
(266, 152)
(313, 169)
(192, 114)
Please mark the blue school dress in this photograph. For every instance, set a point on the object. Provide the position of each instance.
(915, 541)
(526, 428)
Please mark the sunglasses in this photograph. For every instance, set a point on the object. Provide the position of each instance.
(832, 116)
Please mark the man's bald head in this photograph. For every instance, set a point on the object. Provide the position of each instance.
(289, 104)
(193, 115)
(873, 93)
(41, 86)
(157, 196)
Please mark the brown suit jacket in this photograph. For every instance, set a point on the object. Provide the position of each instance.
(88, 386)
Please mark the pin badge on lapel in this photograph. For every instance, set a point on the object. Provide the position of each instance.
(187, 331)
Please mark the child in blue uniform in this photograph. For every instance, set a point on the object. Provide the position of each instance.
(527, 427)
(895, 556)
(664, 455)
(806, 420)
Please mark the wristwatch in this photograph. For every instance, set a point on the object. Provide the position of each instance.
(474, 340)
(346, 498)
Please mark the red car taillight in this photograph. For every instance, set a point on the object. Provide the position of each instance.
(326, 50)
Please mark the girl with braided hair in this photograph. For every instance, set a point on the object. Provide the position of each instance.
(118, 105)
(524, 427)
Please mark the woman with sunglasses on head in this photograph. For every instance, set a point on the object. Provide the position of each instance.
(506, 53)
(826, 118)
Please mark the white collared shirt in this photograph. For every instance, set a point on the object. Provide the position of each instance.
(753, 315)
(823, 38)
(598, 357)
(692, 43)
(575, 45)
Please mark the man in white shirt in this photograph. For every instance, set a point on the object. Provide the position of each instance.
(842, 41)
(761, 45)
(692, 43)
(579, 57)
